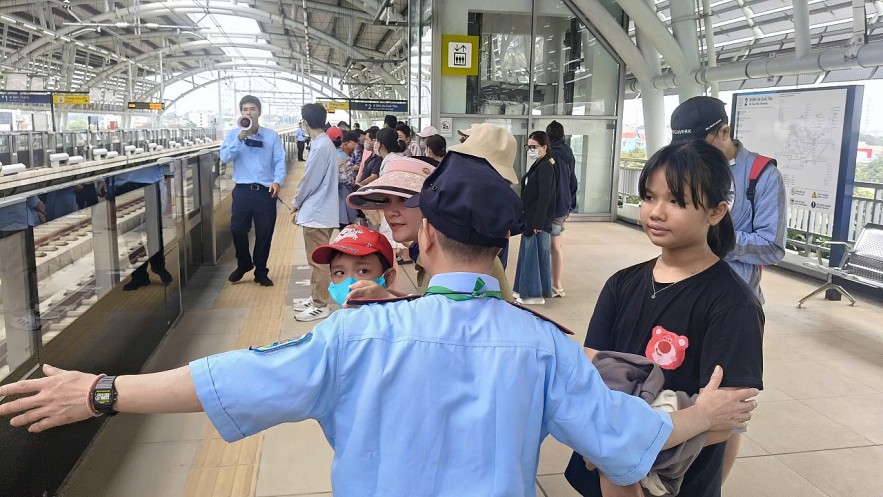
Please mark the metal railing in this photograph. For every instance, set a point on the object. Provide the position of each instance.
(32, 148)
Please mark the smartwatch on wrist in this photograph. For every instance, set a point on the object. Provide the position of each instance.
(104, 395)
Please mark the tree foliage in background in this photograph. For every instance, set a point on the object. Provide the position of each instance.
(638, 153)
(870, 139)
(871, 172)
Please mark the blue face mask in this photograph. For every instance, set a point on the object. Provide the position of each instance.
(339, 291)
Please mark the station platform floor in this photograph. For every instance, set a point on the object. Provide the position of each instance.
(817, 432)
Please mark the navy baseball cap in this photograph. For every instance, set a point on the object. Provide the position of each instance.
(696, 117)
(467, 200)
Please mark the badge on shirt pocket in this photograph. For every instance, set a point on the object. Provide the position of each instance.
(281, 344)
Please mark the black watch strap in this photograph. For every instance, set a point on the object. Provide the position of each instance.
(104, 395)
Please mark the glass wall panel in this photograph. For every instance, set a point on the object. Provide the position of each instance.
(503, 83)
(573, 72)
(18, 319)
(592, 142)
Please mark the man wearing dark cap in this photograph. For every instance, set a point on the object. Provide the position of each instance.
(761, 227)
(450, 394)
(761, 224)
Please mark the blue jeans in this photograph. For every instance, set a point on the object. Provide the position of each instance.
(533, 275)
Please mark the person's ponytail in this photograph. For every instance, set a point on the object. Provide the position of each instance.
(722, 236)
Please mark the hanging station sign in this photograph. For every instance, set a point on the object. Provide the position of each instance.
(71, 98)
(146, 105)
(25, 97)
(333, 105)
(391, 106)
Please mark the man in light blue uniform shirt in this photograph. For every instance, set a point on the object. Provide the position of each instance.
(301, 137)
(258, 159)
(450, 394)
(316, 209)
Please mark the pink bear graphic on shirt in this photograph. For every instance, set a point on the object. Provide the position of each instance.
(666, 349)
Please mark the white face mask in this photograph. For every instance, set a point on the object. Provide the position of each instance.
(533, 154)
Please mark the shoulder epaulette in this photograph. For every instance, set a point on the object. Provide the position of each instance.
(358, 302)
(544, 318)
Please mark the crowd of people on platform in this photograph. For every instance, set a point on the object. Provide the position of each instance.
(403, 383)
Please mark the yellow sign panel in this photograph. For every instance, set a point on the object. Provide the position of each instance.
(333, 105)
(460, 55)
(71, 98)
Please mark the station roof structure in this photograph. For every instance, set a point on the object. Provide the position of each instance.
(756, 29)
(340, 47)
(83, 45)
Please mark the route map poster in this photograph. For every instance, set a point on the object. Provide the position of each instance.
(803, 132)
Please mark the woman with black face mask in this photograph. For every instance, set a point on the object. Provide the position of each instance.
(533, 275)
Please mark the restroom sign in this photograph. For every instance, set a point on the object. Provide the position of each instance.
(460, 55)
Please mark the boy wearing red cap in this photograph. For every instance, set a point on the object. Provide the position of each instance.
(358, 253)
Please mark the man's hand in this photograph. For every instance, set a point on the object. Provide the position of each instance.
(60, 398)
(293, 215)
(274, 190)
(365, 289)
(244, 133)
(725, 409)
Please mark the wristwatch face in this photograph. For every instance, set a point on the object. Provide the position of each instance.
(103, 397)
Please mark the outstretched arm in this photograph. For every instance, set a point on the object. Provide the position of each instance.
(62, 397)
(716, 409)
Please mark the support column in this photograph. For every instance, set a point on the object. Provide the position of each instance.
(685, 29)
(801, 28)
(652, 99)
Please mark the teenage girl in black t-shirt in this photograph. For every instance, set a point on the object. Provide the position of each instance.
(686, 310)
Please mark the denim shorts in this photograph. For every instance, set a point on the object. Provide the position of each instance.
(558, 226)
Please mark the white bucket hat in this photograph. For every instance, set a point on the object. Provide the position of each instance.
(494, 144)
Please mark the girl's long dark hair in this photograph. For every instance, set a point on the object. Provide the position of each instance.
(389, 139)
(706, 172)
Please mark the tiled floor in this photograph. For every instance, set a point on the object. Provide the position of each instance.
(818, 430)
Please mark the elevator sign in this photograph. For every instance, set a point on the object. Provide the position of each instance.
(460, 55)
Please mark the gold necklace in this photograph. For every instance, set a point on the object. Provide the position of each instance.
(695, 270)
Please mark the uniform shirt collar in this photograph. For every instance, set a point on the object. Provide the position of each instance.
(464, 282)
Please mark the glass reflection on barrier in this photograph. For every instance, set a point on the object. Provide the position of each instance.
(223, 181)
(138, 199)
(65, 262)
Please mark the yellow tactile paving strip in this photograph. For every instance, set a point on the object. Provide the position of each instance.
(230, 470)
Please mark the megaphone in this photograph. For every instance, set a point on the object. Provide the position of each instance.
(244, 122)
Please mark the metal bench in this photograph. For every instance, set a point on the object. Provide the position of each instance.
(862, 263)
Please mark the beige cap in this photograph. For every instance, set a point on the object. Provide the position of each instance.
(494, 144)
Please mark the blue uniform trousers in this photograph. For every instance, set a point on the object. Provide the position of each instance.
(252, 203)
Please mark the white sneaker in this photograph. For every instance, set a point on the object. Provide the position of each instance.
(516, 295)
(313, 313)
(531, 301)
(302, 304)
(558, 292)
